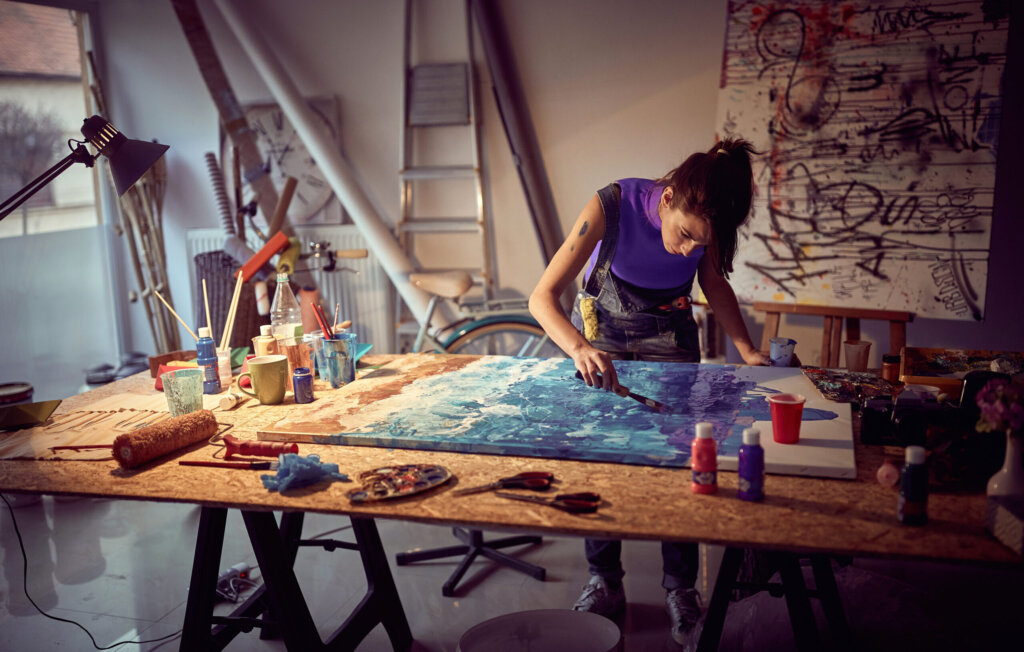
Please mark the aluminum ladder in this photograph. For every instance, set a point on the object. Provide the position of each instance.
(439, 121)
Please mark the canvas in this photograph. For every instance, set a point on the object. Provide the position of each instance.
(537, 408)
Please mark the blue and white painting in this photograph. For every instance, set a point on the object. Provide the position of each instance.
(536, 407)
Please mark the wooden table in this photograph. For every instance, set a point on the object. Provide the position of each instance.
(801, 515)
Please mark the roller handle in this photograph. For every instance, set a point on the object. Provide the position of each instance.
(236, 446)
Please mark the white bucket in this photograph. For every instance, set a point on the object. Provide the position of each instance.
(543, 630)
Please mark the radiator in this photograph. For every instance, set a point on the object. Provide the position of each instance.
(364, 293)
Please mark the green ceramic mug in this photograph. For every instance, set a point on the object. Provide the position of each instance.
(269, 377)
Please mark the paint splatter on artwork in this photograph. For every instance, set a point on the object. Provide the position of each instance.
(537, 408)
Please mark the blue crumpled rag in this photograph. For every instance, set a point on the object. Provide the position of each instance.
(294, 471)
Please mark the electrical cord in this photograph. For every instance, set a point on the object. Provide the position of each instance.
(24, 577)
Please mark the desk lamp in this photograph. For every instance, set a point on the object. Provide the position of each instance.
(129, 160)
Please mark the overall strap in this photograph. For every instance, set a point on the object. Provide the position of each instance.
(609, 196)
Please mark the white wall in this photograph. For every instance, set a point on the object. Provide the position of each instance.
(615, 89)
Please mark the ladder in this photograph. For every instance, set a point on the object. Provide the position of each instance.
(440, 174)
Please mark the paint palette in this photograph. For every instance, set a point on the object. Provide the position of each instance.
(847, 386)
(398, 482)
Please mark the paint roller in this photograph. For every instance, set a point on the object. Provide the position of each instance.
(234, 446)
(132, 449)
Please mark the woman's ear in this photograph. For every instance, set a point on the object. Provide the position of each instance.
(666, 195)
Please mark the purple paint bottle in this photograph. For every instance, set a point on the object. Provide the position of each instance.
(751, 466)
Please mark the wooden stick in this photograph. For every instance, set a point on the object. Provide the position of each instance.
(229, 326)
(337, 309)
(180, 320)
(206, 298)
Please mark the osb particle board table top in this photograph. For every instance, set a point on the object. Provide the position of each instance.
(849, 517)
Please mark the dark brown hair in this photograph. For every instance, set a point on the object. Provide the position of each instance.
(717, 185)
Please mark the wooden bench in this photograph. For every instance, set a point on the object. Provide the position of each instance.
(832, 330)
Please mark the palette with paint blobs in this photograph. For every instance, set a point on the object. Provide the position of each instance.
(399, 481)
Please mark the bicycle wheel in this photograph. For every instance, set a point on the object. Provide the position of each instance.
(504, 337)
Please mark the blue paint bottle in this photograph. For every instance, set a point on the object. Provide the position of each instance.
(912, 507)
(302, 385)
(751, 466)
(206, 358)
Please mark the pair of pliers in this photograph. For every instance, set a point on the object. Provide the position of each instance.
(584, 502)
(534, 480)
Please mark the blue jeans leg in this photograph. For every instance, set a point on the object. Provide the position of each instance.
(679, 565)
(605, 559)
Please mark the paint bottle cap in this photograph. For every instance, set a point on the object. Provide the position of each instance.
(751, 437)
(705, 430)
(266, 329)
(204, 331)
(915, 455)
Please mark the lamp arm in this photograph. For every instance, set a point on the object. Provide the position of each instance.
(78, 155)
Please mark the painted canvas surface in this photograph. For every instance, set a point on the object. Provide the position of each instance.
(537, 408)
(879, 124)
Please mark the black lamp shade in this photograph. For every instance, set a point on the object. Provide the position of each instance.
(129, 159)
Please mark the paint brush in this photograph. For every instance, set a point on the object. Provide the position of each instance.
(624, 391)
(269, 465)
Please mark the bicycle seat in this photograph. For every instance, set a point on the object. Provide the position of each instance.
(450, 285)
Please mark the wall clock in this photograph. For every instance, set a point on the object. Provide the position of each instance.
(285, 155)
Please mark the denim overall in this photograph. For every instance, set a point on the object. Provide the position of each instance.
(638, 324)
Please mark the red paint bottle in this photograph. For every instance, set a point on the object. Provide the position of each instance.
(704, 460)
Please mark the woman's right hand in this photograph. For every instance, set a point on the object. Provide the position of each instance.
(590, 362)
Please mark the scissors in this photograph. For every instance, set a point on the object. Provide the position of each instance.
(584, 502)
(535, 480)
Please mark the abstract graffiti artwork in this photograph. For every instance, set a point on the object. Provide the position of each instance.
(879, 125)
(537, 408)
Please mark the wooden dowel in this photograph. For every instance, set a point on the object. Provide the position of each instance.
(180, 320)
(206, 298)
(229, 325)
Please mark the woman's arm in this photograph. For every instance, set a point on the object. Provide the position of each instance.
(722, 300)
(545, 304)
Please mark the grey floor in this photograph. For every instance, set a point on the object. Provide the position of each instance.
(121, 569)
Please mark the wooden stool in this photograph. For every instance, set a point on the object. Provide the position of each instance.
(832, 330)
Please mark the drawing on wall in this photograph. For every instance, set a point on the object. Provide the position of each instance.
(879, 125)
(535, 407)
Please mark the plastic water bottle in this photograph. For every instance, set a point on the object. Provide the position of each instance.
(751, 466)
(285, 313)
(704, 460)
(206, 358)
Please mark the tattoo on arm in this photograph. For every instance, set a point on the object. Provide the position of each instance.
(583, 229)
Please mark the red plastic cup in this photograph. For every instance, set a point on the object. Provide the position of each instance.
(787, 411)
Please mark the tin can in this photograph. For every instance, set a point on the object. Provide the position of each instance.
(302, 385)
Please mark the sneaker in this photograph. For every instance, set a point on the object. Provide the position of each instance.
(601, 599)
(685, 610)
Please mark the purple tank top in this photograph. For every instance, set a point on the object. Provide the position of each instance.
(640, 257)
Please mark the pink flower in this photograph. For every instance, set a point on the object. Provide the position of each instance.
(1002, 406)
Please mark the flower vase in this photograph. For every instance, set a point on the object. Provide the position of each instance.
(1009, 480)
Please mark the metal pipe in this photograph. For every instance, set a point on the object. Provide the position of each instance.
(336, 169)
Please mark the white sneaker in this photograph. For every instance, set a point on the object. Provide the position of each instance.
(599, 598)
(685, 611)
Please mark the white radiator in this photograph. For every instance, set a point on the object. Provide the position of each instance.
(364, 294)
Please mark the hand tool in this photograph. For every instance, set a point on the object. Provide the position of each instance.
(237, 446)
(584, 502)
(535, 480)
(270, 465)
(624, 391)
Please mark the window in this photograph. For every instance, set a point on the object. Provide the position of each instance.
(42, 105)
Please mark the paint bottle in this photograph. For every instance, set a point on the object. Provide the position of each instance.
(206, 358)
(751, 466)
(891, 368)
(704, 460)
(302, 385)
(265, 343)
(912, 507)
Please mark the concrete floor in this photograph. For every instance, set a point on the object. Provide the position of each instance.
(121, 569)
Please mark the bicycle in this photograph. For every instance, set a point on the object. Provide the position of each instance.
(496, 327)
